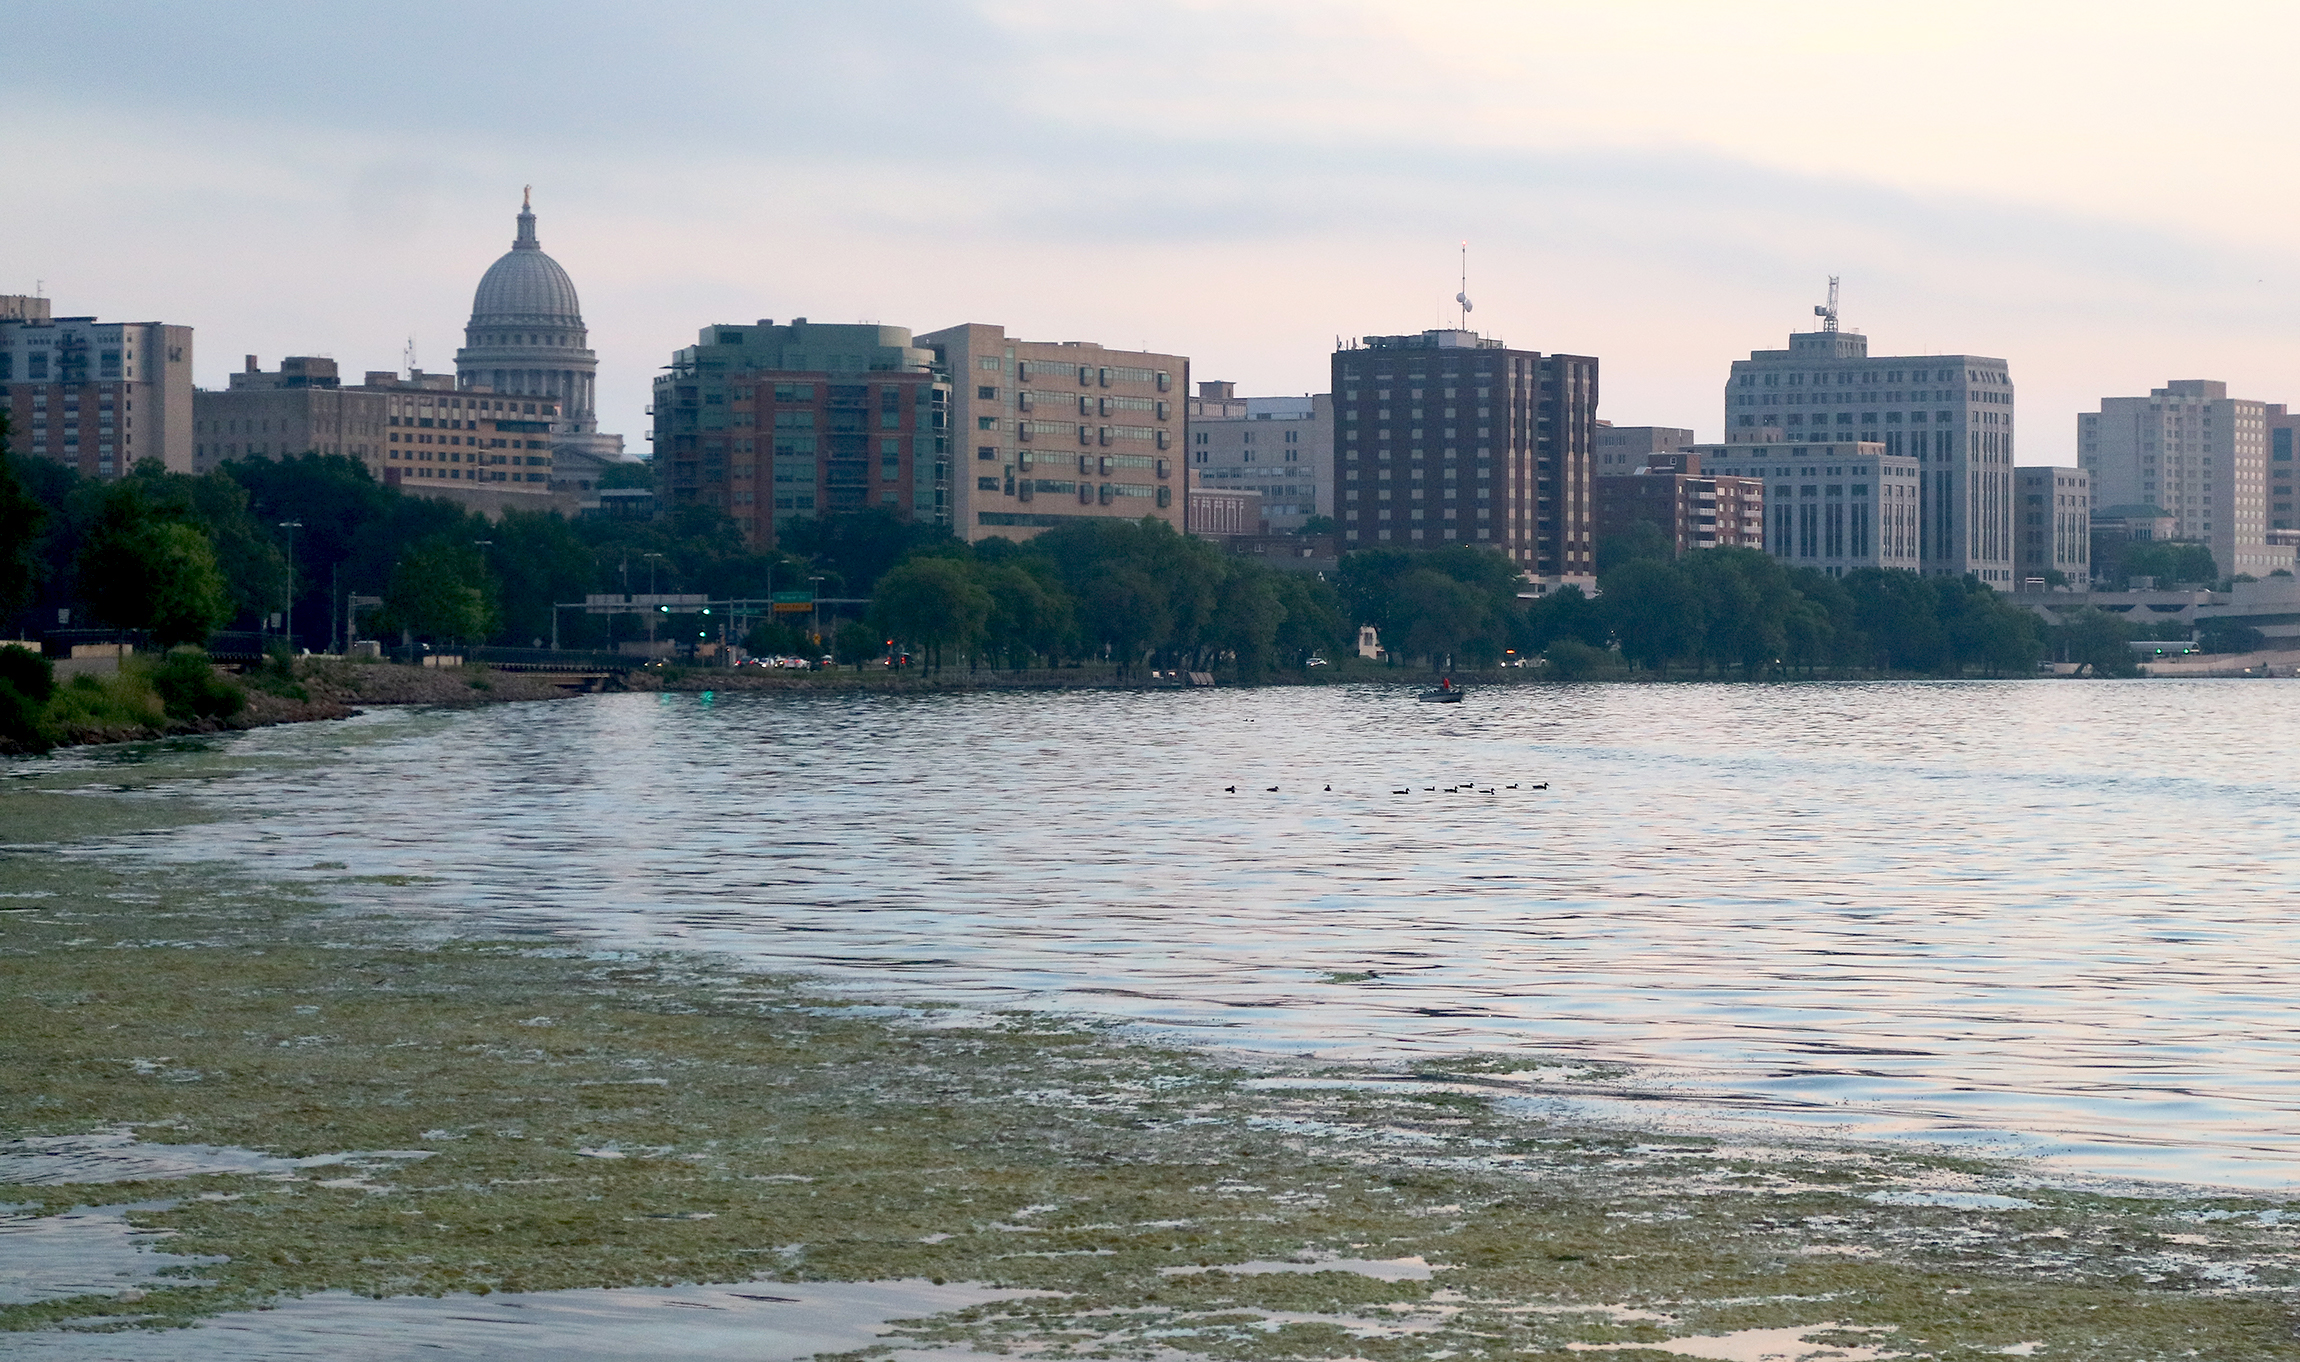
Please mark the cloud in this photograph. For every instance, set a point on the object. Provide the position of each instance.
(1664, 185)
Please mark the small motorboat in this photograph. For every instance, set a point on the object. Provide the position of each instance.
(1444, 693)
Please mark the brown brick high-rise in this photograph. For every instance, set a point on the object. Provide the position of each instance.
(1449, 438)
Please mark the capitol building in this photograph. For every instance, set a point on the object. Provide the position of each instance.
(526, 338)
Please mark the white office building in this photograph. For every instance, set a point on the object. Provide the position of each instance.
(2200, 455)
(1280, 447)
(1952, 414)
(1833, 507)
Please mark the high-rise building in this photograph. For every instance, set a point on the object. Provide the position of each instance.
(1450, 438)
(770, 424)
(96, 396)
(301, 407)
(2198, 453)
(1693, 507)
(526, 339)
(1833, 507)
(1953, 414)
(1624, 449)
(1279, 447)
(2281, 439)
(2052, 526)
(1051, 432)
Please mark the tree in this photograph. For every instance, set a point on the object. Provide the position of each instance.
(139, 570)
(1313, 622)
(1029, 616)
(932, 602)
(1642, 541)
(1570, 659)
(2095, 641)
(855, 643)
(1443, 615)
(1654, 610)
(22, 519)
(2229, 636)
(861, 546)
(1247, 616)
(440, 592)
(1317, 524)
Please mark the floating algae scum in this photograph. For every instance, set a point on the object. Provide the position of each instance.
(235, 1105)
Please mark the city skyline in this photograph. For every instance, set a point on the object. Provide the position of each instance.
(1620, 198)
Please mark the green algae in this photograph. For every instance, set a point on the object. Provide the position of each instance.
(617, 1119)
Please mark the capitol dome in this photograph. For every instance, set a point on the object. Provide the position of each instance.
(526, 287)
(526, 339)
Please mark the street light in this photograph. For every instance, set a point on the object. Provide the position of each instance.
(815, 606)
(291, 526)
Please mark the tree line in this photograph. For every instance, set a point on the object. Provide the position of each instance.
(178, 556)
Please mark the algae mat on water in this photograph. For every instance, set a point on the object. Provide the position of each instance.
(442, 1116)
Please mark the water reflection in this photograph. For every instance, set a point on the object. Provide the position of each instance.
(2035, 917)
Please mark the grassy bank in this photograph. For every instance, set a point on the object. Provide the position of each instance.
(591, 1117)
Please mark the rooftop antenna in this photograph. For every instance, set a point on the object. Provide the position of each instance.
(1463, 296)
(1828, 315)
(409, 356)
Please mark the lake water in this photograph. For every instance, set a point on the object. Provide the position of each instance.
(2048, 919)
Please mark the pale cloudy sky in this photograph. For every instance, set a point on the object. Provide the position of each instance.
(2098, 193)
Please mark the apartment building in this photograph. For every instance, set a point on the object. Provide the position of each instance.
(442, 439)
(771, 424)
(1048, 433)
(301, 407)
(1693, 507)
(1280, 448)
(1834, 507)
(95, 396)
(2053, 523)
(1953, 414)
(1624, 449)
(1450, 437)
(2200, 455)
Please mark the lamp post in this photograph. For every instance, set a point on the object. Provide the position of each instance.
(291, 526)
(815, 607)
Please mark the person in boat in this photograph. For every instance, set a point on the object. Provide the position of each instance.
(1445, 683)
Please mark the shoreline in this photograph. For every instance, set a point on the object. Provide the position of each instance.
(547, 1114)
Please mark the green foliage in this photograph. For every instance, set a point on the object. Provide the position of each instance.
(276, 675)
(2095, 640)
(2229, 636)
(773, 638)
(124, 701)
(2117, 561)
(190, 687)
(1569, 659)
(1642, 541)
(22, 521)
(1317, 524)
(933, 602)
(856, 642)
(142, 568)
(1397, 591)
(856, 548)
(28, 673)
(440, 592)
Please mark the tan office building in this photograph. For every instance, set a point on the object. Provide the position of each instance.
(2200, 454)
(301, 407)
(439, 438)
(1048, 433)
(1279, 448)
(95, 396)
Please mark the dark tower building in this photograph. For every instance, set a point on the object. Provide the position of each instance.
(1450, 438)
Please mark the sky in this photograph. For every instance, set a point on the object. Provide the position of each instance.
(2088, 192)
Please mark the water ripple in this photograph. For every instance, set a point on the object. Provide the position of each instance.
(2039, 918)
